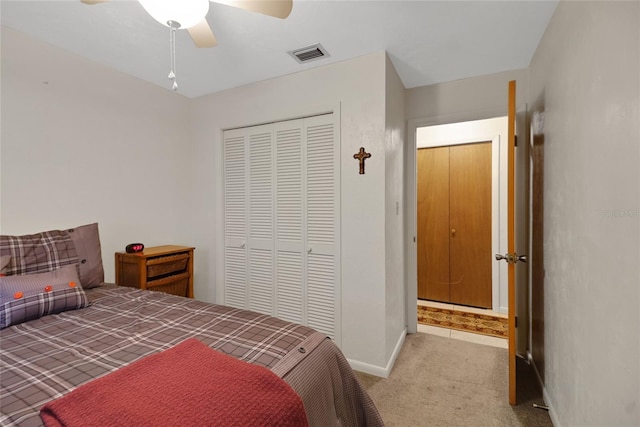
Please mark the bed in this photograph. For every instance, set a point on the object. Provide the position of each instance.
(100, 330)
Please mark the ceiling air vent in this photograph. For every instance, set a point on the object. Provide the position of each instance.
(309, 53)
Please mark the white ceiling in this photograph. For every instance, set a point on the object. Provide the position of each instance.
(428, 41)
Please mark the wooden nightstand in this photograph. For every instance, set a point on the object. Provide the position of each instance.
(166, 268)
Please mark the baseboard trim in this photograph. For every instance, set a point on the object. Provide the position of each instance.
(552, 412)
(380, 371)
(545, 394)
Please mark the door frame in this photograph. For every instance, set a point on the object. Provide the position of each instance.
(410, 176)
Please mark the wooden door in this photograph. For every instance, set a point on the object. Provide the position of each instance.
(433, 223)
(454, 224)
(470, 222)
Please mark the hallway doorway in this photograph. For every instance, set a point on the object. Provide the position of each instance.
(458, 136)
(454, 224)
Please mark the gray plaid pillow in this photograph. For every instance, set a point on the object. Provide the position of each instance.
(4, 261)
(87, 242)
(49, 250)
(31, 296)
(38, 253)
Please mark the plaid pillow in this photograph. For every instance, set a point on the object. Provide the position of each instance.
(87, 241)
(38, 253)
(31, 296)
(49, 250)
(4, 261)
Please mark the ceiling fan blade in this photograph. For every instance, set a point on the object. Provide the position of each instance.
(277, 8)
(93, 1)
(202, 35)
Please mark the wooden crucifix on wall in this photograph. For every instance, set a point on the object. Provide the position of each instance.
(361, 156)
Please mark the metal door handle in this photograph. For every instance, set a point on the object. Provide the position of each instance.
(511, 258)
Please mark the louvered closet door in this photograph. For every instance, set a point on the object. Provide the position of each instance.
(322, 213)
(290, 259)
(235, 218)
(306, 223)
(261, 233)
(290, 218)
(249, 235)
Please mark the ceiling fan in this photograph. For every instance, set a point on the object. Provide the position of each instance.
(191, 14)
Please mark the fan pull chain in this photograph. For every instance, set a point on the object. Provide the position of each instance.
(172, 47)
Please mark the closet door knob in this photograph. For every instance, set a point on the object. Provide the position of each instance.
(309, 250)
(242, 246)
(453, 232)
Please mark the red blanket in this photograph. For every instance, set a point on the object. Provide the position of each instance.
(189, 384)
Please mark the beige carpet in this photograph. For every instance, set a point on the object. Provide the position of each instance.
(440, 381)
(463, 321)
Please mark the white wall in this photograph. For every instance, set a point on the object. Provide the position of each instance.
(585, 76)
(463, 100)
(394, 213)
(355, 90)
(81, 143)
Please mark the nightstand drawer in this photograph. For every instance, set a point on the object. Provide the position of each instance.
(170, 264)
(176, 285)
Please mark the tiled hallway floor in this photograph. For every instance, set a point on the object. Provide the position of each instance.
(460, 335)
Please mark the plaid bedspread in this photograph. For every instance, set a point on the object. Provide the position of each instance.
(45, 358)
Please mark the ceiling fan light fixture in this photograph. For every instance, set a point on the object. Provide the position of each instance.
(186, 13)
